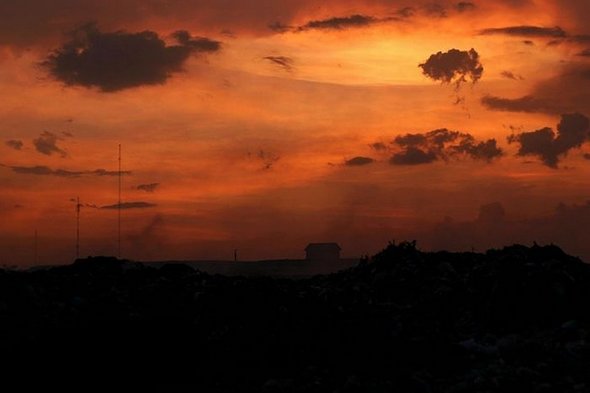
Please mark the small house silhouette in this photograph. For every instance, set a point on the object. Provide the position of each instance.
(322, 252)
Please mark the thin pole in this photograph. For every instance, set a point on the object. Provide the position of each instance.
(119, 205)
(77, 227)
(36, 251)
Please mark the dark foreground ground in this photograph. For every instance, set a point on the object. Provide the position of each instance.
(513, 320)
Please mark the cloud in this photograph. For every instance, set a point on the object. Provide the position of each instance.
(566, 92)
(151, 239)
(581, 39)
(279, 27)
(47, 144)
(44, 171)
(587, 156)
(282, 61)
(413, 156)
(129, 205)
(148, 187)
(572, 132)
(527, 31)
(40, 170)
(196, 44)
(378, 146)
(464, 6)
(435, 10)
(15, 144)
(565, 226)
(523, 104)
(486, 151)
(104, 172)
(442, 144)
(511, 75)
(454, 66)
(340, 23)
(406, 12)
(584, 53)
(120, 60)
(267, 158)
(359, 161)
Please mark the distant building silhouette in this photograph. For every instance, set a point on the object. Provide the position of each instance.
(322, 252)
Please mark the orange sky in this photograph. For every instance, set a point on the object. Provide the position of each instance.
(264, 139)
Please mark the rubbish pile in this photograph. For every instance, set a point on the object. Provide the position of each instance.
(510, 320)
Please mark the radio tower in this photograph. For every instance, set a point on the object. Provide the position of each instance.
(78, 227)
(36, 248)
(119, 206)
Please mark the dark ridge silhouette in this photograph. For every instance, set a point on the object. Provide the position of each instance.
(510, 320)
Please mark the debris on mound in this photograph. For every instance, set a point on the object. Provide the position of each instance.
(515, 319)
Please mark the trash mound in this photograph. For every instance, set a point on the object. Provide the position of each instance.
(510, 320)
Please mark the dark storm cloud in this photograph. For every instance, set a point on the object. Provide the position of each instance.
(442, 144)
(284, 62)
(511, 75)
(15, 144)
(527, 31)
(46, 171)
(340, 23)
(47, 144)
(359, 161)
(129, 205)
(587, 156)
(572, 132)
(151, 187)
(120, 60)
(454, 66)
(584, 53)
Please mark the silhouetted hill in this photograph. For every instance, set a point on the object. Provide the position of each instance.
(510, 320)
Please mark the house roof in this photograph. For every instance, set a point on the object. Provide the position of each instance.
(322, 246)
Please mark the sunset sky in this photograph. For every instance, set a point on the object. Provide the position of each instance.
(264, 125)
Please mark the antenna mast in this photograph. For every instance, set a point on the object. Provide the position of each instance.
(36, 251)
(78, 227)
(119, 206)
